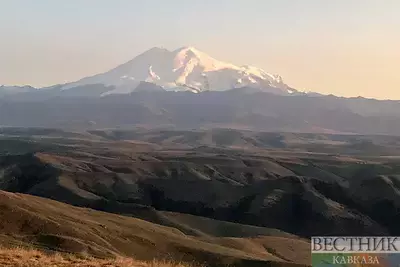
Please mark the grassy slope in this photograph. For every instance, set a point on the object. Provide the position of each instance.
(18, 257)
(48, 224)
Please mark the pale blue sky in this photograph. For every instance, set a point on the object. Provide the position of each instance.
(344, 47)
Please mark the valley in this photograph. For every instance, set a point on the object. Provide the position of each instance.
(222, 196)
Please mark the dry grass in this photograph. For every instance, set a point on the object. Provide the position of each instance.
(17, 257)
(46, 224)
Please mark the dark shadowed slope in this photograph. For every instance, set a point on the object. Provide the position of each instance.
(306, 198)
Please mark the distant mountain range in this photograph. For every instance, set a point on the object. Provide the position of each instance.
(11, 90)
(237, 108)
(187, 88)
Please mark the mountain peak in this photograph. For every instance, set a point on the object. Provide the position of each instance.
(154, 51)
(190, 58)
(157, 48)
(186, 68)
(188, 49)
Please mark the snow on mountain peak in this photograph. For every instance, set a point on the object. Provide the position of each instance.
(186, 68)
(190, 55)
(186, 50)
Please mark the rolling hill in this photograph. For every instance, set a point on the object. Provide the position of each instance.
(206, 196)
(49, 225)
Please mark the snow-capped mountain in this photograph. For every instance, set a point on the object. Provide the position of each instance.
(183, 69)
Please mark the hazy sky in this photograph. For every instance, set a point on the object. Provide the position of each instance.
(343, 47)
